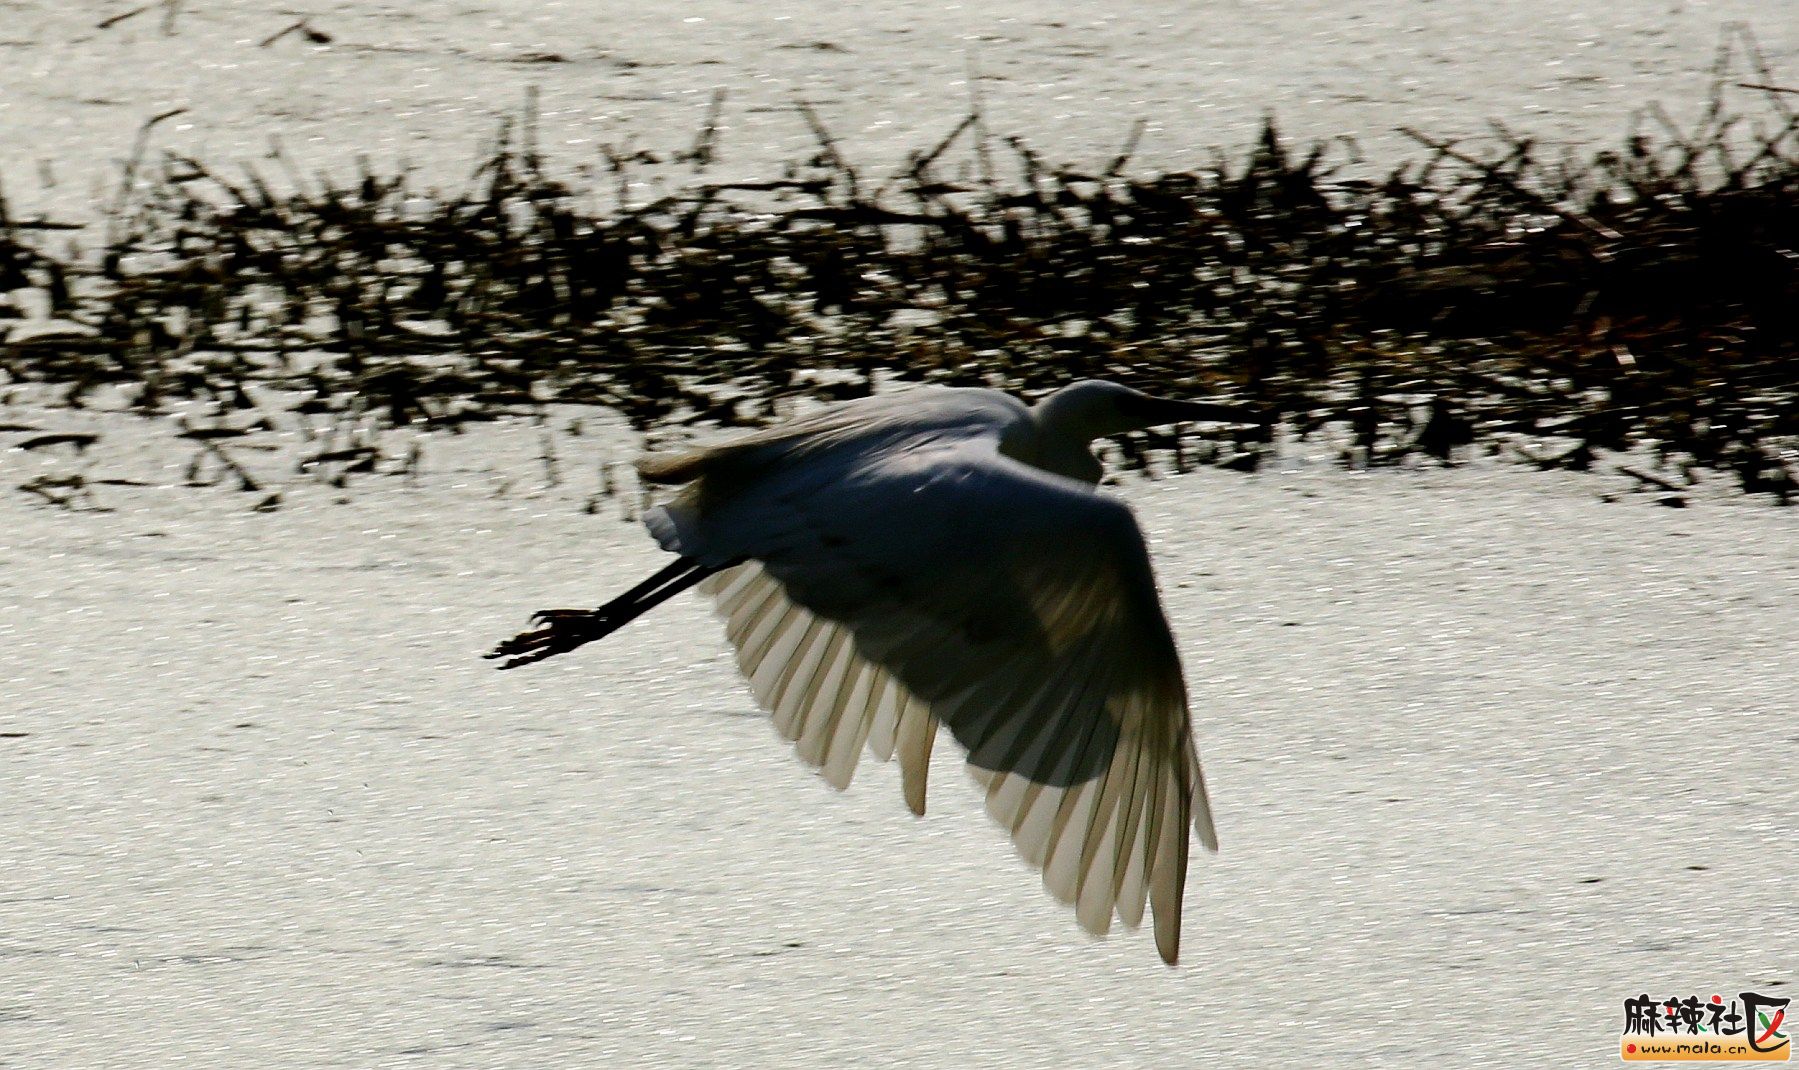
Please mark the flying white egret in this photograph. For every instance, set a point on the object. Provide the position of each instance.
(940, 556)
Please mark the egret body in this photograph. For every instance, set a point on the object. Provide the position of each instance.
(941, 557)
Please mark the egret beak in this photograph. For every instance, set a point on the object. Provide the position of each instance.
(1155, 412)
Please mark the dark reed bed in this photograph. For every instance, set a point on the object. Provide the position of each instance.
(1643, 298)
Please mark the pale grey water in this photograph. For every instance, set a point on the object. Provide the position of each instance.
(1488, 755)
(427, 83)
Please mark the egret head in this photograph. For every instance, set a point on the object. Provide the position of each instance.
(1095, 408)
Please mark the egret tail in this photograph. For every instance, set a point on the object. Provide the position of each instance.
(558, 631)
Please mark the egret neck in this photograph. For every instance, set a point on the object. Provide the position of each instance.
(1065, 424)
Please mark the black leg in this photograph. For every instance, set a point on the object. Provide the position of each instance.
(559, 631)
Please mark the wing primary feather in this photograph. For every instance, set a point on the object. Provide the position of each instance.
(1061, 870)
(727, 585)
(745, 597)
(1068, 838)
(761, 616)
(1140, 874)
(1131, 826)
(787, 694)
(1099, 851)
(818, 721)
(1093, 890)
(1202, 803)
(847, 734)
(1169, 877)
(777, 658)
(864, 704)
(853, 707)
(917, 731)
(769, 631)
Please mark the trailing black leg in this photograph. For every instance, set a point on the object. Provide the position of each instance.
(558, 631)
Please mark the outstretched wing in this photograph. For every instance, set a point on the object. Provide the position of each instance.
(954, 586)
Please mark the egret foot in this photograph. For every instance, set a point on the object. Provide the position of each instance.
(562, 630)
(557, 631)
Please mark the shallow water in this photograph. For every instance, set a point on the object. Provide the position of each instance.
(1484, 749)
(428, 84)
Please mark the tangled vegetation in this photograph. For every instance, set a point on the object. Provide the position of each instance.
(1642, 297)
